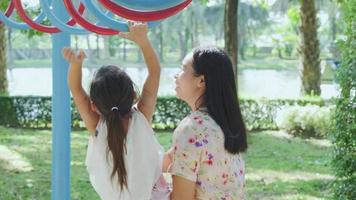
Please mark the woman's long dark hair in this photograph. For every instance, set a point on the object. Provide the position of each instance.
(220, 95)
(113, 88)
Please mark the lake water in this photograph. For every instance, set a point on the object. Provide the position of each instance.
(252, 83)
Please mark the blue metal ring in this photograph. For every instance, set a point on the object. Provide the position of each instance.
(107, 20)
(20, 25)
(148, 5)
(48, 10)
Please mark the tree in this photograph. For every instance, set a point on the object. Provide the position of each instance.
(3, 61)
(309, 52)
(253, 19)
(309, 49)
(3, 48)
(230, 27)
(344, 121)
(210, 14)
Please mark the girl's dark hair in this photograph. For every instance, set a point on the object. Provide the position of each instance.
(220, 95)
(110, 88)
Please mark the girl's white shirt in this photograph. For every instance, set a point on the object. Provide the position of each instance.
(143, 162)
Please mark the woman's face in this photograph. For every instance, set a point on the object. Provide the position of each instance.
(188, 86)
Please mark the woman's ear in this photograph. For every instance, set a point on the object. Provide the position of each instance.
(93, 107)
(201, 80)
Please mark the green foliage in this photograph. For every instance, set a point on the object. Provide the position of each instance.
(31, 12)
(35, 112)
(8, 112)
(3, 5)
(307, 121)
(169, 112)
(344, 118)
(293, 15)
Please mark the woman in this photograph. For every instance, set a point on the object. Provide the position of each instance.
(207, 145)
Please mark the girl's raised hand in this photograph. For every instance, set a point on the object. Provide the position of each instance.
(138, 32)
(73, 57)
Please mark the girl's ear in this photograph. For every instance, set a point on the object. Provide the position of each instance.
(201, 80)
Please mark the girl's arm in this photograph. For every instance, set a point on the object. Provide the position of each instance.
(167, 160)
(81, 99)
(147, 101)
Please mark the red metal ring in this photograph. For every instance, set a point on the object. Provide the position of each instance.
(9, 9)
(85, 23)
(39, 27)
(143, 16)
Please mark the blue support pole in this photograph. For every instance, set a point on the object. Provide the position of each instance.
(61, 117)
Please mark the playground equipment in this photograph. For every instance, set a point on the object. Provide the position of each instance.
(66, 19)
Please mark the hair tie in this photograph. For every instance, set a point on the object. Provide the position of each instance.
(114, 108)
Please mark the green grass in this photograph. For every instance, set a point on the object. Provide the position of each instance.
(281, 168)
(277, 167)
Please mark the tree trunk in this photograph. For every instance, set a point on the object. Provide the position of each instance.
(230, 27)
(3, 64)
(76, 42)
(194, 30)
(309, 49)
(161, 47)
(333, 28)
(106, 50)
(91, 52)
(139, 55)
(97, 47)
(192, 34)
(124, 53)
(181, 39)
(88, 42)
(9, 39)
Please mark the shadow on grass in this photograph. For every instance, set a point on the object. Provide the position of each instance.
(277, 167)
(268, 152)
(289, 190)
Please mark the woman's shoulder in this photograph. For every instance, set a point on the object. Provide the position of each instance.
(194, 124)
(193, 120)
(200, 120)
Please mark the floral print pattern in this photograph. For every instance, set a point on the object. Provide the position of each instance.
(199, 156)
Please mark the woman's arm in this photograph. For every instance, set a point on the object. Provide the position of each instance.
(186, 160)
(81, 99)
(147, 101)
(182, 189)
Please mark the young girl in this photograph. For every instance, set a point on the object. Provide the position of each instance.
(123, 158)
(207, 144)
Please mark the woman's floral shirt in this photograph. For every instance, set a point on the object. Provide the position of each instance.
(199, 156)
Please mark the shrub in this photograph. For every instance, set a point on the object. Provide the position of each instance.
(307, 121)
(35, 112)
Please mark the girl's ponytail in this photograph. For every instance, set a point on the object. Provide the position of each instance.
(117, 147)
